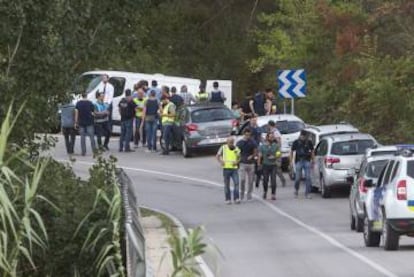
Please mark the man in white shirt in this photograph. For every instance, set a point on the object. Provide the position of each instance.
(107, 89)
(188, 97)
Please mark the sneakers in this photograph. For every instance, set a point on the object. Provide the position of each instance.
(264, 195)
(147, 151)
(273, 197)
(228, 202)
(237, 201)
(296, 194)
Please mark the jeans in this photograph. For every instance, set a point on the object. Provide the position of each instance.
(139, 136)
(233, 174)
(246, 172)
(70, 137)
(90, 132)
(126, 134)
(102, 129)
(269, 172)
(151, 130)
(167, 135)
(299, 166)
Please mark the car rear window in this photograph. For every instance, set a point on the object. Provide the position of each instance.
(211, 114)
(352, 147)
(410, 169)
(374, 168)
(289, 127)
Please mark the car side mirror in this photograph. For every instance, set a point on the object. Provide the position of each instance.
(350, 179)
(368, 183)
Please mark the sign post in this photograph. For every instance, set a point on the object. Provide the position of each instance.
(292, 84)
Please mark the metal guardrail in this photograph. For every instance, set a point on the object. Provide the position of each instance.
(134, 233)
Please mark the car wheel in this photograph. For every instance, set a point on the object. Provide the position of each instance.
(390, 237)
(371, 239)
(325, 191)
(185, 150)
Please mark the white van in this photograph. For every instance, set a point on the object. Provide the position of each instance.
(90, 81)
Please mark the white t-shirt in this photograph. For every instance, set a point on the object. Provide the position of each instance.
(108, 90)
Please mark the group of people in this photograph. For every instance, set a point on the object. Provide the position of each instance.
(149, 107)
(253, 159)
(259, 104)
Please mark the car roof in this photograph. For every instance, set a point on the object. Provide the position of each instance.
(379, 157)
(386, 148)
(352, 136)
(200, 106)
(332, 128)
(263, 120)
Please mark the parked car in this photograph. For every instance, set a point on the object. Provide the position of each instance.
(316, 133)
(334, 156)
(289, 127)
(202, 126)
(372, 164)
(389, 206)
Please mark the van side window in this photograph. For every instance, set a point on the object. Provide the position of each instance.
(119, 85)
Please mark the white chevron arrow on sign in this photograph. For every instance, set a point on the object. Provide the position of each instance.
(286, 84)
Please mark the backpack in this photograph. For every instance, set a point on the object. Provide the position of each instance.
(216, 97)
(123, 108)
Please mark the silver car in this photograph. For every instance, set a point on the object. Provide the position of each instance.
(334, 156)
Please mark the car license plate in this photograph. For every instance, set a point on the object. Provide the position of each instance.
(216, 140)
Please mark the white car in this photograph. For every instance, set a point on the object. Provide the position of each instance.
(316, 133)
(289, 127)
(389, 206)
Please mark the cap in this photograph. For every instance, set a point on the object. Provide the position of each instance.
(271, 123)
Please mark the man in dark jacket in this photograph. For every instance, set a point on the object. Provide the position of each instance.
(127, 110)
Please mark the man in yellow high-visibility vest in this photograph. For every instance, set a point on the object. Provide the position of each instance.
(229, 158)
(167, 121)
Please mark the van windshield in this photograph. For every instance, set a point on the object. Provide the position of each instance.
(351, 147)
(87, 83)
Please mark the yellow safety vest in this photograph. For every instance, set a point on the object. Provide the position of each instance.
(166, 119)
(230, 157)
(202, 96)
(140, 106)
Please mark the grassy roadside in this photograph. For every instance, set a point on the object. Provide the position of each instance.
(167, 223)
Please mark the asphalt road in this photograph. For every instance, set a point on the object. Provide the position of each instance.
(286, 237)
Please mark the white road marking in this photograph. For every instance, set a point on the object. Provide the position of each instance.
(299, 222)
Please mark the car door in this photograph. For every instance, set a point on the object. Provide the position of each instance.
(320, 152)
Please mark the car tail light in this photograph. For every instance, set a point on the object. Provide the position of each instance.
(330, 161)
(402, 190)
(362, 188)
(234, 123)
(191, 127)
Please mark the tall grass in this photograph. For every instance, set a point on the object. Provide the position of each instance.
(21, 226)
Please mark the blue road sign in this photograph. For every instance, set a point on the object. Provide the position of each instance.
(292, 83)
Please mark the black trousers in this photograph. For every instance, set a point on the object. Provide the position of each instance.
(269, 172)
(70, 136)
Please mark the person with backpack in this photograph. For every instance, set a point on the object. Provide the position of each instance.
(102, 121)
(150, 117)
(302, 148)
(269, 152)
(67, 122)
(127, 110)
(216, 96)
